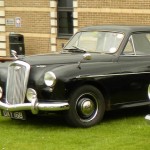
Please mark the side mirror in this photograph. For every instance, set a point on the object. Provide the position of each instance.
(86, 56)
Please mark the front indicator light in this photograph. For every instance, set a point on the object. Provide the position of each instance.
(31, 94)
(50, 79)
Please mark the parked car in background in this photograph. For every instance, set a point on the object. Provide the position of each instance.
(5, 58)
(101, 68)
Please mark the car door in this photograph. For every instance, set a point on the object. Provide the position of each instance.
(135, 68)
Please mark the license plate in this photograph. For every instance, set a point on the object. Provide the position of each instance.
(15, 115)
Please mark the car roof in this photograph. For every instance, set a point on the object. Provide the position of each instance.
(117, 28)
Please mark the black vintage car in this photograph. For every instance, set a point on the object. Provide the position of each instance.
(101, 68)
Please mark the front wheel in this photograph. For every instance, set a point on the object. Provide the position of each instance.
(87, 107)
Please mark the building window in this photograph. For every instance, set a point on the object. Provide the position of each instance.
(65, 17)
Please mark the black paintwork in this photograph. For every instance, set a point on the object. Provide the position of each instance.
(123, 80)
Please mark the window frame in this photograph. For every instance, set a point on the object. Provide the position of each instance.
(64, 9)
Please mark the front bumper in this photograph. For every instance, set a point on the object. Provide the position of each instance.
(147, 117)
(35, 106)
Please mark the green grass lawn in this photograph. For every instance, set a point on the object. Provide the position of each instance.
(120, 130)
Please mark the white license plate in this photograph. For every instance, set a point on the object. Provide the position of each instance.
(16, 115)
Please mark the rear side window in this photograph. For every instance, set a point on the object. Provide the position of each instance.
(138, 44)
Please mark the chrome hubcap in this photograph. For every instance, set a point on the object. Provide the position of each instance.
(87, 107)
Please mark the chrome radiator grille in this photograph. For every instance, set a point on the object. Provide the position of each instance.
(18, 74)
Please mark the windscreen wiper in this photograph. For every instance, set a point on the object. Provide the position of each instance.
(76, 49)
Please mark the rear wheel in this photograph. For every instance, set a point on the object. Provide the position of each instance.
(86, 107)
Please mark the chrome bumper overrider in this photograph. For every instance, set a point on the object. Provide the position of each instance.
(35, 106)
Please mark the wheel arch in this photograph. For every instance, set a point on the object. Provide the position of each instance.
(97, 85)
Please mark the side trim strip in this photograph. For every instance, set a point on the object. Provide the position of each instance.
(132, 105)
(107, 75)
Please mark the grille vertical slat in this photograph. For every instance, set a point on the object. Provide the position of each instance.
(18, 73)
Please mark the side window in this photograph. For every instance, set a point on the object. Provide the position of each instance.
(129, 50)
(65, 17)
(141, 43)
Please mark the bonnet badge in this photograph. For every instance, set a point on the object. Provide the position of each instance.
(17, 68)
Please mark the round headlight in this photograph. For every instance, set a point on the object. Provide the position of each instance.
(50, 79)
(31, 94)
(1, 92)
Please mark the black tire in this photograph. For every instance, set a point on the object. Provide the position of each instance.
(87, 107)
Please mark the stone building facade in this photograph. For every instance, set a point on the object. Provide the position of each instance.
(46, 24)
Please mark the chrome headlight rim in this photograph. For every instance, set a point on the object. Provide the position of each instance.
(50, 79)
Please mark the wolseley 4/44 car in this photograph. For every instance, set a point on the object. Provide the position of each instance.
(101, 68)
